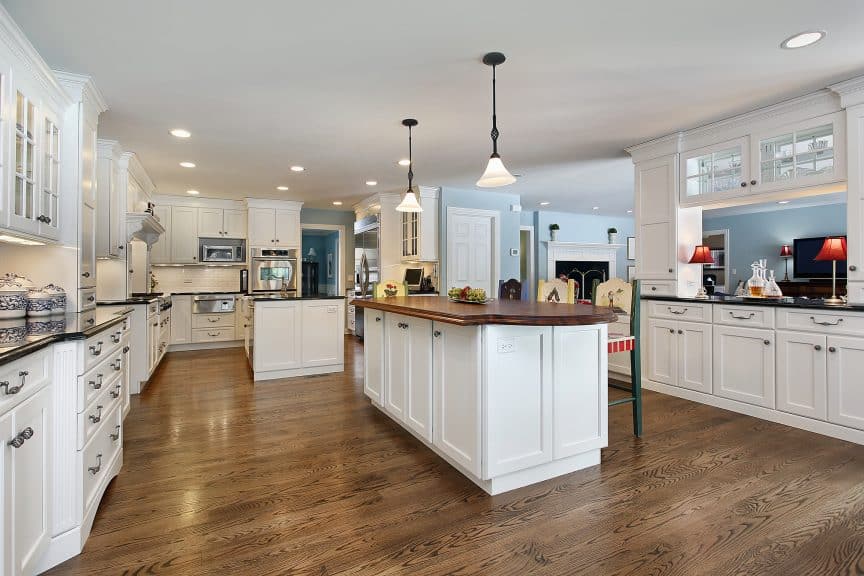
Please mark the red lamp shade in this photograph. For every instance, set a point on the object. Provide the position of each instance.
(834, 248)
(702, 255)
(785, 251)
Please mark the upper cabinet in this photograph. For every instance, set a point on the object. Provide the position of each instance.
(274, 223)
(420, 229)
(111, 201)
(187, 220)
(184, 235)
(716, 171)
(221, 223)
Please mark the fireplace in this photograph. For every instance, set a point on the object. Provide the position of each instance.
(584, 272)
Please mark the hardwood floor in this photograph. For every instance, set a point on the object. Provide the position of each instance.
(304, 476)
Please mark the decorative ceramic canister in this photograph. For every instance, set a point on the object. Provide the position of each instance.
(12, 331)
(39, 302)
(59, 297)
(38, 327)
(13, 297)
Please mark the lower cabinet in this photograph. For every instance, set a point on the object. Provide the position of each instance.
(845, 382)
(408, 376)
(278, 334)
(744, 360)
(802, 374)
(181, 325)
(320, 347)
(680, 354)
(373, 356)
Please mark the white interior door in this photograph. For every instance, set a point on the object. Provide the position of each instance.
(471, 251)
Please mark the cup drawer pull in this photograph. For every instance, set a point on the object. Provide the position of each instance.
(749, 316)
(826, 322)
(95, 469)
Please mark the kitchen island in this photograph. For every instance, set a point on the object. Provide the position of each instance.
(509, 393)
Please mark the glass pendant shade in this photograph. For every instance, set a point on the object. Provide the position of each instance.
(409, 203)
(496, 174)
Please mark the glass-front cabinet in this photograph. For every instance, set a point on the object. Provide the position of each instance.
(410, 234)
(25, 203)
(801, 155)
(715, 172)
(49, 205)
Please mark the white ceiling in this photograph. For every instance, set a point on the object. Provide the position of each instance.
(266, 84)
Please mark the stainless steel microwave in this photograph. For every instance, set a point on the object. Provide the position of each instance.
(221, 250)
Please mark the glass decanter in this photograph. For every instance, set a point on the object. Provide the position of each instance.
(756, 283)
(772, 290)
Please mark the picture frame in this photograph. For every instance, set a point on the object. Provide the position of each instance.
(329, 265)
(631, 248)
(631, 273)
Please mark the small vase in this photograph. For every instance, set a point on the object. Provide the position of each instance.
(554, 235)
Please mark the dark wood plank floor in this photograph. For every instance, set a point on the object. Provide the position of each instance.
(304, 477)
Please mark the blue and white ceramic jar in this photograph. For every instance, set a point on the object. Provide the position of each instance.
(13, 297)
(58, 296)
(12, 331)
(39, 302)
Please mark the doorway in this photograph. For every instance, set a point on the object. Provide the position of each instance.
(718, 273)
(473, 254)
(322, 249)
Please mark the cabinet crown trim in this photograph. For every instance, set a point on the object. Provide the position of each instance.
(851, 91)
(275, 204)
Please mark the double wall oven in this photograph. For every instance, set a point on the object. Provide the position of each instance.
(271, 267)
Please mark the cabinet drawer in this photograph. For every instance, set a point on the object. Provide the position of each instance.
(212, 320)
(680, 311)
(97, 456)
(822, 321)
(99, 346)
(96, 380)
(87, 299)
(18, 379)
(650, 288)
(90, 420)
(212, 334)
(753, 316)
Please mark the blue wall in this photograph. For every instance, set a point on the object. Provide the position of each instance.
(482, 200)
(337, 217)
(761, 234)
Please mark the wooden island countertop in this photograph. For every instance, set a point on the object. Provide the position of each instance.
(507, 312)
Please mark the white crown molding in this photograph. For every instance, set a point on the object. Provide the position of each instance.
(85, 89)
(276, 204)
(136, 168)
(655, 148)
(108, 148)
(851, 91)
(198, 202)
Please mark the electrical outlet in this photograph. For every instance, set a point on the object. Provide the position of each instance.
(734, 271)
(506, 345)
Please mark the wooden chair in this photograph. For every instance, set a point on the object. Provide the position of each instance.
(512, 289)
(625, 296)
(380, 287)
(556, 291)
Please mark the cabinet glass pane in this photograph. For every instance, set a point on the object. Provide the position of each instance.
(28, 160)
(19, 154)
(698, 165)
(804, 153)
(31, 115)
(19, 113)
(715, 172)
(776, 148)
(698, 185)
(28, 200)
(814, 139)
(19, 196)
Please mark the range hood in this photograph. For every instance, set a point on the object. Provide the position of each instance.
(143, 226)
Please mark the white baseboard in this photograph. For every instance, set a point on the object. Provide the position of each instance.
(205, 346)
(809, 424)
(293, 373)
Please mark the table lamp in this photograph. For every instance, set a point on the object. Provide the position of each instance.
(785, 254)
(833, 249)
(702, 255)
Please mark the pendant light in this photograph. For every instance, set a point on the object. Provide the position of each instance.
(496, 174)
(409, 202)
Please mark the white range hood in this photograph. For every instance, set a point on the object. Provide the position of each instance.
(143, 226)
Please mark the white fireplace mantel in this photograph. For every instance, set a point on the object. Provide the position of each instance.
(556, 251)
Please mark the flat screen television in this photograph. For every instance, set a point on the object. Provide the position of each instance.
(804, 250)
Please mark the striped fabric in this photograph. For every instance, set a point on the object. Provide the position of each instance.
(621, 343)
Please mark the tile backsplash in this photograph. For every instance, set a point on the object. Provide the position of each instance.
(197, 278)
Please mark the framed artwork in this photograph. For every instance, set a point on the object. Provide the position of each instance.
(329, 265)
(631, 248)
(631, 273)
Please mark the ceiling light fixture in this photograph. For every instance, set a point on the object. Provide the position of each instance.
(192, 192)
(180, 133)
(595, 208)
(783, 202)
(337, 203)
(803, 39)
(629, 211)
(544, 203)
(297, 168)
(496, 174)
(282, 188)
(187, 164)
(404, 162)
(409, 202)
(371, 182)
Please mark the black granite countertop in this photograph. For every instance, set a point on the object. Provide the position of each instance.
(22, 336)
(132, 300)
(200, 292)
(811, 303)
(276, 297)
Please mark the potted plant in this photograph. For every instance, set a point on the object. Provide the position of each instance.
(553, 231)
(613, 235)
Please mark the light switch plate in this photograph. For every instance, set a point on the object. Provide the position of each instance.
(514, 251)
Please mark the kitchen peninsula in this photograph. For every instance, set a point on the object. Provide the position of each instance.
(509, 393)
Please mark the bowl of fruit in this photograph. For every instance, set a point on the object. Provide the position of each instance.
(468, 295)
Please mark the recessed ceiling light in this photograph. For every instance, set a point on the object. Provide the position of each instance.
(783, 202)
(404, 162)
(180, 133)
(282, 188)
(544, 203)
(192, 192)
(297, 168)
(337, 203)
(803, 39)
(629, 211)
(595, 208)
(187, 164)
(371, 182)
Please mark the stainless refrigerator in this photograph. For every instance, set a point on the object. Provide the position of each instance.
(366, 251)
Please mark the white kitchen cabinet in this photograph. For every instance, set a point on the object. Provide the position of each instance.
(808, 153)
(287, 226)
(111, 202)
(408, 373)
(655, 211)
(845, 390)
(7, 433)
(420, 229)
(25, 205)
(802, 378)
(373, 355)
(278, 336)
(320, 347)
(28, 481)
(680, 354)
(663, 351)
(181, 319)
(744, 364)
(396, 364)
(234, 223)
(855, 203)
(184, 235)
(160, 252)
(456, 373)
(715, 172)
(87, 248)
(210, 223)
(262, 227)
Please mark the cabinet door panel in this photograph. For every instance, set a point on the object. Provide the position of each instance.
(418, 405)
(184, 235)
(287, 228)
(181, 319)
(7, 433)
(845, 391)
(373, 355)
(744, 364)
(87, 246)
(694, 356)
(656, 190)
(396, 362)
(234, 223)
(278, 335)
(802, 386)
(160, 253)
(210, 223)
(323, 325)
(457, 377)
(662, 352)
(262, 227)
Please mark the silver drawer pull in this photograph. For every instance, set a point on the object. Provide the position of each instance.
(117, 365)
(96, 384)
(95, 469)
(116, 392)
(826, 323)
(116, 435)
(22, 437)
(9, 391)
(213, 320)
(98, 416)
(213, 334)
(115, 338)
(96, 349)
(679, 312)
(125, 349)
(747, 317)
(436, 333)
